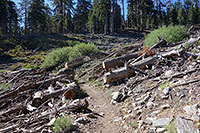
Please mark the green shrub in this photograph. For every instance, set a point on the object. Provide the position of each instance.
(4, 86)
(57, 57)
(82, 49)
(171, 34)
(62, 124)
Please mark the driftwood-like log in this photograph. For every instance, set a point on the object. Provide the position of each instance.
(162, 42)
(121, 73)
(65, 90)
(77, 62)
(145, 62)
(119, 61)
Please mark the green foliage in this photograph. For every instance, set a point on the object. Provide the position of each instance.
(165, 84)
(2, 71)
(171, 34)
(4, 86)
(133, 124)
(57, 57)
(171, 127)
(82, 49)
(62, 124)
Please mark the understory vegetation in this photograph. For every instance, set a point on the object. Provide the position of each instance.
(57, 57)
(170, 33)
(62, 124)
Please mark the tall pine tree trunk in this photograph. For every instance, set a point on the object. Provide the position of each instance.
(61, 15)
(123, 14)
(106, 22)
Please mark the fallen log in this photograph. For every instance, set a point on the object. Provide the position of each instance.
(121, 73)
(162, 42)
(77, 62)
(145, 62)
(119, 61)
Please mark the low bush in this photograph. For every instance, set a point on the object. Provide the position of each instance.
(62, 124)
(171, 34)
(57, 57)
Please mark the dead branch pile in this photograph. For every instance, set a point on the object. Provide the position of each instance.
(33, 99)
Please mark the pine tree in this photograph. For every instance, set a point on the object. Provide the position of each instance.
(12, 18)
(3, 16)
(81, 15)
(62, 14)
(99, 16)
(23, 9)
(37, 17)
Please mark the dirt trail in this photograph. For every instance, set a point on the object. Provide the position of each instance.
(100, 103)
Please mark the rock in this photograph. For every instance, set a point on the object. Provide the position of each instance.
(185, 126)
(151, 130)
(198, 97)
(164, 96)
(102, 114)
(137, 108)
(126, 127)
(165, 106)
(161, 122)
(166, 90)
(160, 130)
(127, 116)
(51, 123)
(191, 109)
(154, 113)
(150, 105)
(82, 120)
(117, 119)
(169, 73)
(117, 96)
(145, 99)
(44, 131)
(149, 120)
(139, 112)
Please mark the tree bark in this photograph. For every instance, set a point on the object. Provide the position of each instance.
(119, 61)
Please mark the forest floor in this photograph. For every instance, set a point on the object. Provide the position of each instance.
(100, 103)
(161, 97)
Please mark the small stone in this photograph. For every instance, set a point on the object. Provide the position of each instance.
(129, 111)
(126, 127)
(161, 122)
(102, 114)
(165, 106)
(150, 105)
(164, 96)
(139, 112)
(137, 108)
(169, 73)
(152, 130)
(154, 113)
(44, 131)
(198, 97)
(126, 116)
(166, 90)
(117, 119)
(191, 109)
(149, 120)
(160, 130)
(117, 96)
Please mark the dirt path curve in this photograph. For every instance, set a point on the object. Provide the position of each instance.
(100, 103)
